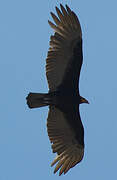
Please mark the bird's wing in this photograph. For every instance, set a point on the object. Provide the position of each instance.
(64, 57)
(66, 134)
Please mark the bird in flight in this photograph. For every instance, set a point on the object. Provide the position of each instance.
(63, 66)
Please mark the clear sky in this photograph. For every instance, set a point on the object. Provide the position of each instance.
(25, 150)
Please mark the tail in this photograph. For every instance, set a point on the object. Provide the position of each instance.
(36, 100)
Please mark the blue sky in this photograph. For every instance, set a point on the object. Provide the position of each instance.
(25, 151)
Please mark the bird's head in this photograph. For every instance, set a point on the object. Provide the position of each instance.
(83, 100)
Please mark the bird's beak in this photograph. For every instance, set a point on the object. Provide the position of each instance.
(83, 100)
(87, 102)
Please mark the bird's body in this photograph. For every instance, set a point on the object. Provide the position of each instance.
(63, 65)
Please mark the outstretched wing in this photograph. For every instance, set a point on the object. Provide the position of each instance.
(66, 134)
(64, 57)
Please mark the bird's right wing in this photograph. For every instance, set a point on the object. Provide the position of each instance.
(64, 57)
(64, 142)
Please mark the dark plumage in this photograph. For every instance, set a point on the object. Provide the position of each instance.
(63, 65)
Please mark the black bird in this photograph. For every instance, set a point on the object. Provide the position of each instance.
(63, 65)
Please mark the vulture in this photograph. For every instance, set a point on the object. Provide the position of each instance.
(63, 66)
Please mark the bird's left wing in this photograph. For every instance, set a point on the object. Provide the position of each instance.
(64, 138)
(64, 57)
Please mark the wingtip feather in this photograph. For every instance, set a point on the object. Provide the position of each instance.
(56, 20)
(68, 9)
